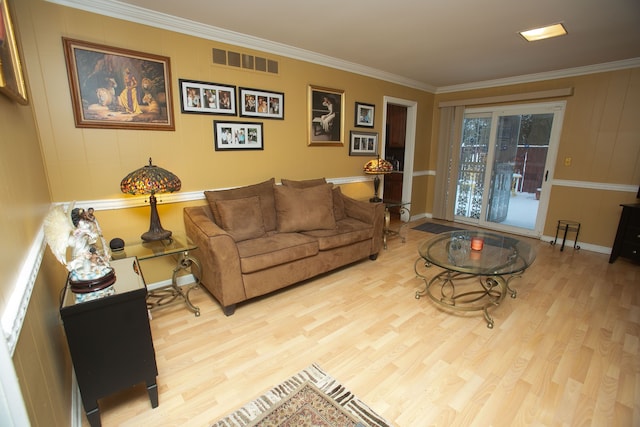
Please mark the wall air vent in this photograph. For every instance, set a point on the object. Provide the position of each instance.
(243, 60)
(219, 56)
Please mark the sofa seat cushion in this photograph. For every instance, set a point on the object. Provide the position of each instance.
(347, 231)
(275, 249)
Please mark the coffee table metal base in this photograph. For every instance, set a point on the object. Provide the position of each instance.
(465, 292)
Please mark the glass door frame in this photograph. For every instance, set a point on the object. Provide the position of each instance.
(558, 109)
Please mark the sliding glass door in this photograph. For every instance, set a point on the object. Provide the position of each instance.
(506, 161)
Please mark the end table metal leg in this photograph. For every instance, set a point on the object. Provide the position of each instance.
(186, 262)
(387, 222)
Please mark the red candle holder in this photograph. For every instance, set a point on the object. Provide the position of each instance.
(477, 243)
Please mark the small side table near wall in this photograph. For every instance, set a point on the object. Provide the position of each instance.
(403, 209)
(566, 226)
(178, 246)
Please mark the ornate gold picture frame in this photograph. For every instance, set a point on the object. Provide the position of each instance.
(12, 81)
(325, 116)
(118, 88)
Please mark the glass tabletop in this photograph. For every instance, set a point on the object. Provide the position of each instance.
(177, 243)
(497, 254)
(128, 279)
(394, 203)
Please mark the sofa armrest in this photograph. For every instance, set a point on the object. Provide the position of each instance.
(218, 256)
(370, 213)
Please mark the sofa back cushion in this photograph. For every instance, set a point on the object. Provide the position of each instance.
(304, 183)
(338, 203)
(241, 218)
(264, 190)
(304, 209)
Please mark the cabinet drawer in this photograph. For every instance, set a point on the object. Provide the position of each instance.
(630, 251)
(632, 235)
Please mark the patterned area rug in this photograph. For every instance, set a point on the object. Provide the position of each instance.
(432, 227)
(310, 398)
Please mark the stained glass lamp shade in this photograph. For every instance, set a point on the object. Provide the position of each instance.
(151, 179)
(377, 167)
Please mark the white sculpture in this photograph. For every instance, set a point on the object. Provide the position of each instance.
(79, 231)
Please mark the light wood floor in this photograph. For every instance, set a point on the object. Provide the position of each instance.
(565, 352)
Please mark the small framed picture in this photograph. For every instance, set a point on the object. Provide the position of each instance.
(207, 98)
(260, 103)
(363, 143)
(365, 114)
(237, 135)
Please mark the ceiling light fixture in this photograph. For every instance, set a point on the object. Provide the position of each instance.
(541, 33)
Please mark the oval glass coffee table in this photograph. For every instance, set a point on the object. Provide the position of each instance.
(477, 269)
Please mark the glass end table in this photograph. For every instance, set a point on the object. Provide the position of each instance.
(403, 209)
(179, 247)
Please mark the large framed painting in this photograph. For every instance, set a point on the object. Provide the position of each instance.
(118, 88)
(207, 98)
(325, 116)
(12, 81)
(237, 135)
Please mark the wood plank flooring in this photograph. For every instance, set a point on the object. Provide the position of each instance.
(565, 352)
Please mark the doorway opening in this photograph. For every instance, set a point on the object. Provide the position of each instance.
(401, 156)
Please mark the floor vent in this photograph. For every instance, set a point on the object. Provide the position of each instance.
(243, 60)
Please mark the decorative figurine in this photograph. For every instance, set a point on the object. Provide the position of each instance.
(89, 269)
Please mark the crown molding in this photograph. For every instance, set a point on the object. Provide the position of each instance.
(550, 75)
(127, 12)
(119, 10)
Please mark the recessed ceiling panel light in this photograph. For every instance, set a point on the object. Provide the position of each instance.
(541, 33)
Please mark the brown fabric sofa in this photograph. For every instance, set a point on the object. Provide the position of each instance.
(256, 239)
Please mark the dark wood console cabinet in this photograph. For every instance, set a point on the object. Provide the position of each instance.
(110, 339)
(627, 243)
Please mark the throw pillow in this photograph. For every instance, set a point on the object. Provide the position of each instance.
(241, 218)
(304, 209)
(263, 189)
(338, 202)
(303, 184)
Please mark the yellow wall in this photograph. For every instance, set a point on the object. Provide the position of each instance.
(46, 158)
(601, 134)
(40, 358)
(88, 164)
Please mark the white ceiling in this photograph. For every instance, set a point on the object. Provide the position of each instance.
(434, 44)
